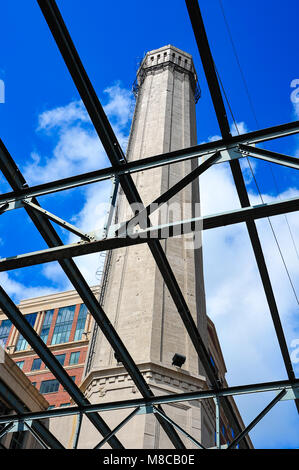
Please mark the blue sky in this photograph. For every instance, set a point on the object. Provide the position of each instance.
(45, 128)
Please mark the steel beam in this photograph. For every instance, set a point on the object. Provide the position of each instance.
(6, 429)
(117, 428)
(157, 400)
(211, 76)
(117, 159)
(236, 441)
(218, 436)
(35, 435)
(208, 65)
(57, 220)
(160, 232)
(18, 320)
(179, 428)
(14, 402)
(17, 181)
(163, 198)
(269, 156)
(78, 430)
(197, 151)
(264, 274)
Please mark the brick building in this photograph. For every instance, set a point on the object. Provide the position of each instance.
(64, 324)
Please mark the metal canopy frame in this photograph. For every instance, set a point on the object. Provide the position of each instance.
(228, 149)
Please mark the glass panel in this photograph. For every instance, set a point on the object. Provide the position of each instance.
(20, 364)
(46, 325)
(36, 364)
(74, 357)
(4, 332)
(22, 343)
(49, 386)
(81, 322)
(63, 325)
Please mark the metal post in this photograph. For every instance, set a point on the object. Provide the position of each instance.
(78, 429)
(218, 437)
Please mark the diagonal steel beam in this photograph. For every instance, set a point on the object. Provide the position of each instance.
(236, 441)
(160, 232)
(6, 429)
(18, 320)
(196, 151)
(208, 65)
(260, 259)
(117, 428)
(192, 439)
(35, 435)
(57, 220)
(16, 180)
(163, 198)
(276, 386)
(210, 72)
(14, 402)
(117, 159)
(270, 156)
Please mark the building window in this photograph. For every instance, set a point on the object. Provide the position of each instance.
(51, 407)
(34, 384)
(65, 404)
(63, 325)
(74, 358)
(49, 386)
(4, 332)
(36, 364)
(80, 322)
(60, 358)
(20, 364)
(46, 325)
(22, 343)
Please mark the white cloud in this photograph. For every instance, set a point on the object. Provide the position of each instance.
(235, 298)
(78, 148)
(120, 105)
(19, 291)
(63, 116)
(92, 217)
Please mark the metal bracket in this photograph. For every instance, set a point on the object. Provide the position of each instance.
(57, 220)
(147, 409)
(21, 426)
(292, 394)
(230, 153)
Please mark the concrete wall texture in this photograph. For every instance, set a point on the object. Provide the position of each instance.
(137, 301)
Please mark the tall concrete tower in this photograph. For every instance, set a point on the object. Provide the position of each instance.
(136, 300)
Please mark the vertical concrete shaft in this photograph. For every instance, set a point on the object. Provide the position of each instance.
(136, 300)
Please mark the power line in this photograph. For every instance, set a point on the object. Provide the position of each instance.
(248, 161)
